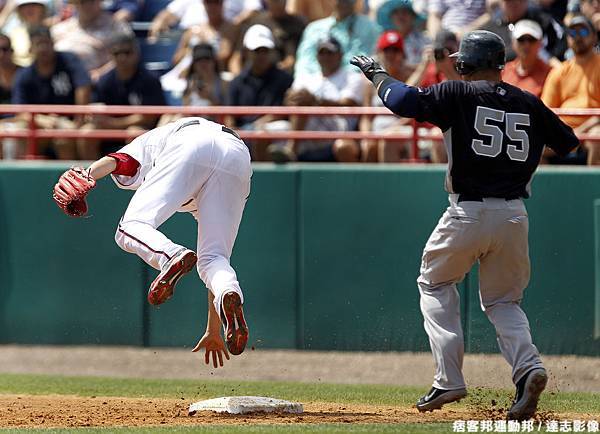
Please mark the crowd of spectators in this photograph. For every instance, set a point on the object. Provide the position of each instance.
(283, 52)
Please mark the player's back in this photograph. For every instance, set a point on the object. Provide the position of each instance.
(494, 134)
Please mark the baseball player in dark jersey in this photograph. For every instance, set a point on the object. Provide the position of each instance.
(494, 134)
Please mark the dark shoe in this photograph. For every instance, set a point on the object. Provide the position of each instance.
(436, 398)
(164, 285)
(529, 389)
(234, 325)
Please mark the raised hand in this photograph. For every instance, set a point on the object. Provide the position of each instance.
(367, 65)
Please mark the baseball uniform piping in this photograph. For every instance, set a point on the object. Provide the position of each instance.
(160, 252)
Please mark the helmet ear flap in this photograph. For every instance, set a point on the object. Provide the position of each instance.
(463, 68)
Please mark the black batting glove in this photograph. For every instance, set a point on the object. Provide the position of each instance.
(368, 66)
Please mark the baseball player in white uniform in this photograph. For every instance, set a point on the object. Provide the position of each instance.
(197, 166)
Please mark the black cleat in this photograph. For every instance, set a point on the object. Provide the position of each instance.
(436, 398)
(529, 389)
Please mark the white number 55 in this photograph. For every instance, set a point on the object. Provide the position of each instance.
(518, 152)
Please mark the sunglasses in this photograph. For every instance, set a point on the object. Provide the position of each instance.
(5, 49)
(524, 39)
(584, 32)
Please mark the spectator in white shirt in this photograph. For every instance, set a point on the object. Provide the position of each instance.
(332, 86)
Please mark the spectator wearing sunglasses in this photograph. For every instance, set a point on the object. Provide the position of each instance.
(528, 71)
(576, 84)
(128, 83)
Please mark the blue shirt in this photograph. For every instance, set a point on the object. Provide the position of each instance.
(59, 88)
(141, 89)
(357, 34)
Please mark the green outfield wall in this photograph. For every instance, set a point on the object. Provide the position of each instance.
(327, 255)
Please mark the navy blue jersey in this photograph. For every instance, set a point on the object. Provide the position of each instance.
(494, 134)
(59, 88)
(141, 89)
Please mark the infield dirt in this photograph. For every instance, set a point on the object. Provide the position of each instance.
(60, 411)
(402, 369)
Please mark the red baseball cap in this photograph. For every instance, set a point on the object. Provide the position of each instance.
(390, 38)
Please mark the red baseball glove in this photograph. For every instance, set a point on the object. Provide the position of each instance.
(71, 189)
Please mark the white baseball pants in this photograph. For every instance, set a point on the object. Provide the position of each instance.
(493, 232)
(213, 169)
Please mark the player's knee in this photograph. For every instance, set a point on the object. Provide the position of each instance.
(346, 151)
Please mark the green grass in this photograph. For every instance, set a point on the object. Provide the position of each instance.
(191, 390)
(323, 392)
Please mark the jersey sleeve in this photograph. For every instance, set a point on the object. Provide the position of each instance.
(557, 135)
(137, 150)
(437, 104)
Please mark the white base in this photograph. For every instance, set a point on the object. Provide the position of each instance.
(246, 404)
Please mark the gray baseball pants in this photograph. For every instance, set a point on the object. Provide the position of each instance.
(493, 232)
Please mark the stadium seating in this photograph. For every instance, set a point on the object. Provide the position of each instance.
(156, 56)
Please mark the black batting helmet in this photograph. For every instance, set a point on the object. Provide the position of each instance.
(480, 50)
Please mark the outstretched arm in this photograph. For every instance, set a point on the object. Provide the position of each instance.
(396, 95)
(102, 167)
(212, 341)
(118, 163)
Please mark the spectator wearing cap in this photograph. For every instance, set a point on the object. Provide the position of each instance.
(355, 32)
(189, 13)
(261, 83)
(287, 30)
(589, 9)
(204, 83)
(554, 43)
(528, 71)
(436, 67)
(390, 52)
(333, 86)
(576, 84)
(88, 35)
(400, 15)
(128, 83)
(452, 15)
(53, 78)
(26, 14)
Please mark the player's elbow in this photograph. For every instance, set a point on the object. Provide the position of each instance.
(399, 98)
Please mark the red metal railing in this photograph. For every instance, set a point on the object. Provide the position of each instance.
(33, 133)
